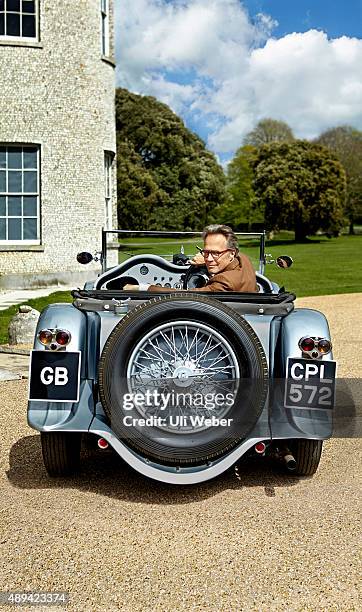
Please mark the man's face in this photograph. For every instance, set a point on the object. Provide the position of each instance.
(217, 243)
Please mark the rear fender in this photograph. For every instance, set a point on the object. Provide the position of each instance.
(65, 316)
(302, 322)
(290, 422)
(48, 416)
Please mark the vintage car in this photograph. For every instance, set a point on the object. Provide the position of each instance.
(181, 385)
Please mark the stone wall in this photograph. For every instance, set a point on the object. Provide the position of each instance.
(59, 93)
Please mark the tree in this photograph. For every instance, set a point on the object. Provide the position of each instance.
(137, 188)
(238, 209)
(300, 186)
(346, 143)
(166, 177)
(268, 131)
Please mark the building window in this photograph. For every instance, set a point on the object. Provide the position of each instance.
(108, 159)
(19, 194)
(104, 27)
(18, 19)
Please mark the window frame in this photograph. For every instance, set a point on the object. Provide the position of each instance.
(8, 38)
(108, 189)
(104, 20)
(37, 194)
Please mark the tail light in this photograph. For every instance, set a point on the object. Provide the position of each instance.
(306, 344)
(45, 336)
(54, 338)
(315, 347)
(324, 346)
(62, 337)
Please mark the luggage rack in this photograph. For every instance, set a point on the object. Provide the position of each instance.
(225, 296)
(105, 300)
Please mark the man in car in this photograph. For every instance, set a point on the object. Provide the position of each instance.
(229, 270)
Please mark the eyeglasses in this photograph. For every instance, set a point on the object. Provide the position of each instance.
(214, 254)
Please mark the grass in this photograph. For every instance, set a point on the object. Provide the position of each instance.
(321, 266)
(37, 303)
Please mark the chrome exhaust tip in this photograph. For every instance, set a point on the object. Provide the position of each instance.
(290, 462)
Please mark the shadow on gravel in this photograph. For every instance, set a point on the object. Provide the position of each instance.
(105, 473)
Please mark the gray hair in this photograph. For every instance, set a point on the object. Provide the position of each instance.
(225, 230)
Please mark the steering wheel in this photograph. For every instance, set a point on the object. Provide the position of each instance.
(195, 277)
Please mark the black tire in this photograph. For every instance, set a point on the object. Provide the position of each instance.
(169, 447)
(61, 452)
(307, 454)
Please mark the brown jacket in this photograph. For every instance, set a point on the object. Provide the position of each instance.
(239, 275)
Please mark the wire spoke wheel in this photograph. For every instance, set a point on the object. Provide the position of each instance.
(183, 359)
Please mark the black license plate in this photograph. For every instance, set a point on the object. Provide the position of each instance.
(54, 376)
(310, 384)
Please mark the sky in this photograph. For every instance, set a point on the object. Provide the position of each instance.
(223, 65)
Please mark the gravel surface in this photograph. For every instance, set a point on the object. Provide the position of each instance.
(116, 541)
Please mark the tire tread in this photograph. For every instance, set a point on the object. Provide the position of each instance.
(307, 456)
(61, 452)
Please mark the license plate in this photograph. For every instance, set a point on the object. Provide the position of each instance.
(310, 384)
(54, 376)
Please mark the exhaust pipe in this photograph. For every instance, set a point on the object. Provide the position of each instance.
(290, 462)
(282, 453)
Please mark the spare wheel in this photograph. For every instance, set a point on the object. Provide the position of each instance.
(183, 379)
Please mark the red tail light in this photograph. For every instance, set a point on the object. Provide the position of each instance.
(315, 347)
(54, 338)
(62, 337)
(306, 344)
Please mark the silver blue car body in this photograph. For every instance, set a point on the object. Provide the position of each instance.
(101, 307)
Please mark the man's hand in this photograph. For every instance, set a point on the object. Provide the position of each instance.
(131, 287)
(197, 260)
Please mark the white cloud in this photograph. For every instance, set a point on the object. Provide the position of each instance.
(206, 58)
(175, 95)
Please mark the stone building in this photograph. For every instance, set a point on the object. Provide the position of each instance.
(57, 137)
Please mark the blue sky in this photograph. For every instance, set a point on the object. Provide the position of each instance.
(334, 16)
(223, 65)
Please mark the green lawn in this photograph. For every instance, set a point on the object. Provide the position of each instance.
(37, 303)
(321, 266)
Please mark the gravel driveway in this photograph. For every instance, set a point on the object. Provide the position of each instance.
(117, 541)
